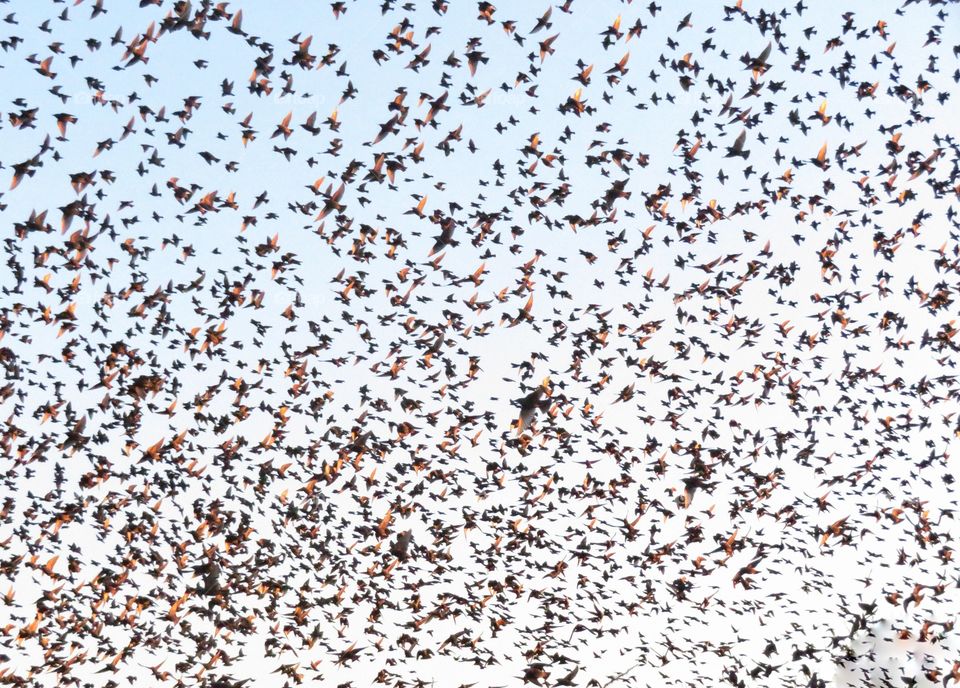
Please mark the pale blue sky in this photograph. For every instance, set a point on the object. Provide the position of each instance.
(736, 618)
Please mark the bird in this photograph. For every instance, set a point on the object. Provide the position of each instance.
(537, 400)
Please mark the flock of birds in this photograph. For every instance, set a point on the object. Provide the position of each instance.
(449, 343)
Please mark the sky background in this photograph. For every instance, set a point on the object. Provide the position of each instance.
(805, 591)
